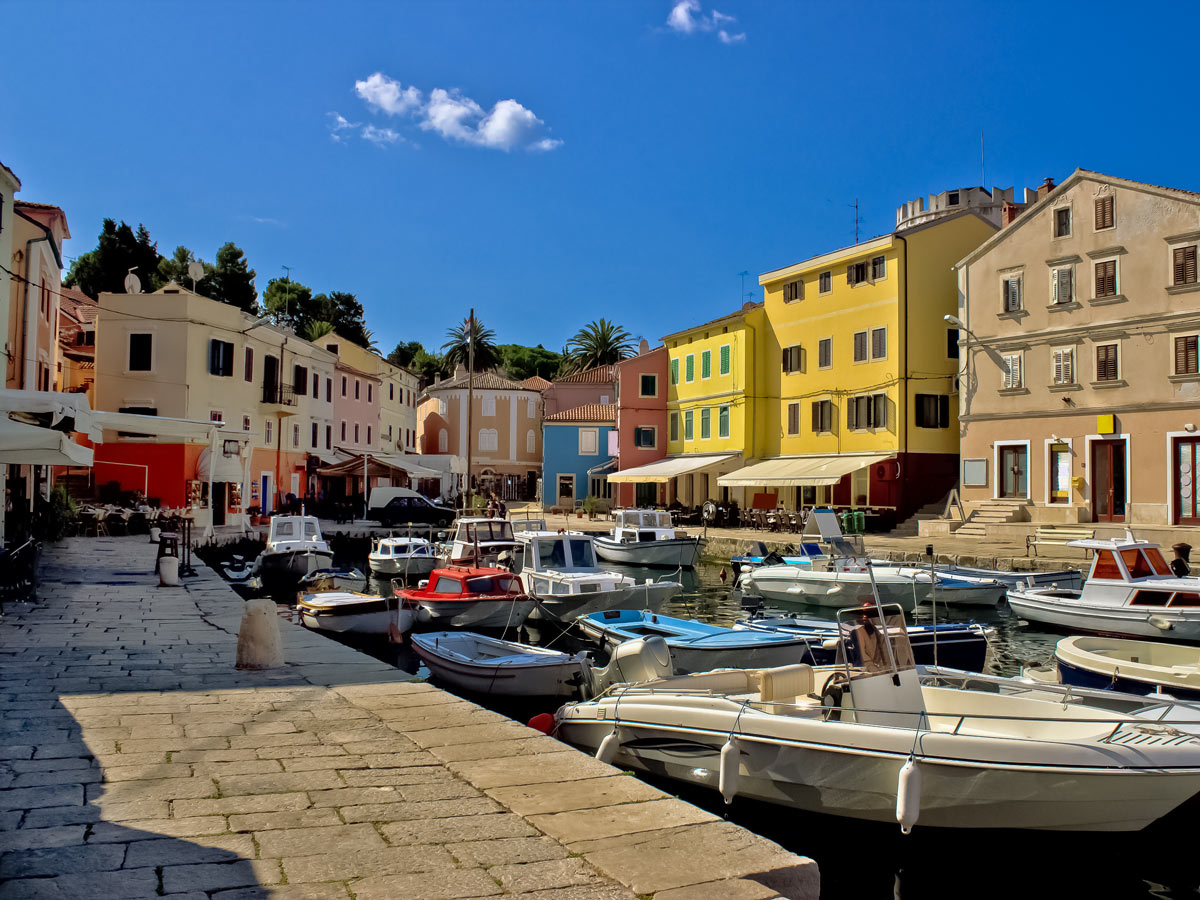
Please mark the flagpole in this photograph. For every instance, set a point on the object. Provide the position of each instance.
(470, 400)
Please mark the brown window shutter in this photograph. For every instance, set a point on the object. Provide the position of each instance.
(816, 417)
(1104, 212)
(1184, 259)
(1106, 363)
(1181, 356)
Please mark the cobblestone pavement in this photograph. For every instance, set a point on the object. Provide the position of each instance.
(135, 761)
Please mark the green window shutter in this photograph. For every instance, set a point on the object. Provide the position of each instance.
(687, 425)
(705, 424)
(690, 368)
(725, 360)
(706, 364)
(723, 422)
(674, 371)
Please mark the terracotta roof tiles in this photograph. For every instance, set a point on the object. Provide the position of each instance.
(589, 412)
(596, 375)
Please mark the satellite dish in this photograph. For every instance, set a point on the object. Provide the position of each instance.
(133, 284)
(195, 272)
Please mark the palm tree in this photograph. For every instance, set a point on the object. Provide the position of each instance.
(317, 329)
(600, 343)
(487, 354)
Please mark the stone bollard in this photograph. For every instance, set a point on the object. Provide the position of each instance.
(155, 531)
(260, 645)
(168, 571)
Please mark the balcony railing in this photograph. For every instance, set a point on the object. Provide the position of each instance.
(280, 394)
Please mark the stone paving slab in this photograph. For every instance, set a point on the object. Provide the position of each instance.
(135, 761)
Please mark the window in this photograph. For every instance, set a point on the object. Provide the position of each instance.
(332, 348)
(531, 412)
(1183, 264)
(725, 350)
(328, 390)
(141, 355)
(1186, 355)
(792, 358)
(356, 431)
(316, 434)
(589, 441)
(246, 423)
(674, 426)
(689, 368)
(316, 386)
(530, 441)
(793, 290)
(268, 432)
(675, 371)
(860, 346)
(1012, 294)
(1011, 371)
(488, 404)
(825, 353)
(443, 441)
(933, 410)
(215, 415)
(442, 407)
(1062, 221)
(300, 379)
(1063, 361)
(856, 273)
(343, 385)
(648, 386)
(370, 391)
(878, 343)
(951, 343)
(952, 198)
(357, 388)
(328, 437)
(645, 436)
(1104, 212)
(368, 435)
(822, 416)
(220, 358)
(878, 268)
(706, 364)
(687, 425)
(869, 411)
(1106, 278)
(793, 418)
(296, 435)
(1062, 287)
(705, 424)
(343, 431)
(1107, 363)
(391, 391)
(723, 421)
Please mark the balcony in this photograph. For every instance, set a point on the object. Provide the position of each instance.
(279, 394)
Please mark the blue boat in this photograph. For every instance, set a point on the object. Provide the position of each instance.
(698, 646)
(958, 645)
(759, 555)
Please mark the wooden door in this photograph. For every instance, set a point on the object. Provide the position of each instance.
(1108, 481)
(1014, 472)
(1187, 495)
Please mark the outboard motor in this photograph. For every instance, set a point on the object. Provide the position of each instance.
(642, 659)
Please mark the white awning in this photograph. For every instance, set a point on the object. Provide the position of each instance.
(663, 470)
(227, 468)
(800, 471)
(158, 426)
(29, 445)
(50, 409)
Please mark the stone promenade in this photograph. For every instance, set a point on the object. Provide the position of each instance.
(136, 762)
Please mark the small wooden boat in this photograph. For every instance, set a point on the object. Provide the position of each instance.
(487, 665)
(237, 569)
(697, 646)
(1134, 667)
(469, 597)
(345, 612)
(319, 580)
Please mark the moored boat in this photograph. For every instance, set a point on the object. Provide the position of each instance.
(294, 549)
(345, 612)
(646, 537)
(488, 665)
(349, 579)
(469, 597)
(410, 557)
(480, 541)
(1137, 667)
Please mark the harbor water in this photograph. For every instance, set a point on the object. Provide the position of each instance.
(862, 860)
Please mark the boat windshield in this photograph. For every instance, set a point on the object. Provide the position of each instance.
(865, 643)
(583, 554)
(492, 530)
(447, 585)
(285, 529)
(551, 554)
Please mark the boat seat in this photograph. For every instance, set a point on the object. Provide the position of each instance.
(783, 684)
(720, 681)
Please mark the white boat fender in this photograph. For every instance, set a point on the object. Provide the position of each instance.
(730, 770)
(607, 751)
(1161, 623)
(908, 795)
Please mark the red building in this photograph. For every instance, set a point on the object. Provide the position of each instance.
(641, 422)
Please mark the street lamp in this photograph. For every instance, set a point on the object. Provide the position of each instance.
(962, 326)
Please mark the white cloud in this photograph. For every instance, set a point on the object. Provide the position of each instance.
(688, 17)
(388, 95)
(380, 136)
(339, 123)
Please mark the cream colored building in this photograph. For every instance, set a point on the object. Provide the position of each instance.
(505, 429)
(1080, 389)
(178, 354)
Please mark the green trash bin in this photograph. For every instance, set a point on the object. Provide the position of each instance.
(845, 520)
(860, 522)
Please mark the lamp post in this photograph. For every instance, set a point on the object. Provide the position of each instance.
(962, 326)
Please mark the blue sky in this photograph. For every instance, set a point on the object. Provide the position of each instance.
(638, 170)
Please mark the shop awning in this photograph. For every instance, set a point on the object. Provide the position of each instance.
(29, 445)
(608, 464)
(663, 470)
(379, 464)
(800, 471)
(227, 468)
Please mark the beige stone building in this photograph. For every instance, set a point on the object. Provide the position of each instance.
(1080, 382)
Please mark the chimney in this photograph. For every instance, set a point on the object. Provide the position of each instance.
(1045, 188)
(1008, 212)
(460, 371)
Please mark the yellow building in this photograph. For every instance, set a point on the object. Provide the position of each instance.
(716, 410)
(859, 365)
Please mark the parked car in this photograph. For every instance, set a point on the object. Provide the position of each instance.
(399, 506)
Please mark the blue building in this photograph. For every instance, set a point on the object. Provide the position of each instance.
(577, 454)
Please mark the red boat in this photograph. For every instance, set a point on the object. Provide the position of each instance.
(469, 597)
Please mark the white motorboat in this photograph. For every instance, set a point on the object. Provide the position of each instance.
(845, 583)
(294, 549)
(344, 612)
(646, 537)
(480, 541)
(953, 590)
(410, 557)
(1138, 667)
(487, 665)
(1130, 591)
(561, 573)
(871, 739)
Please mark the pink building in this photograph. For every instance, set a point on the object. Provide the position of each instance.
(355, 410)
(590, 387)
(641, 422)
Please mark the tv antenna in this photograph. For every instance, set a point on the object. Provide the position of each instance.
(858, 220)
(742, 292)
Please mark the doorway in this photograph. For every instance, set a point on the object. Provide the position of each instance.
(1060, 473)
(645, 495)
(1186, 456)
(566, 491)
(1014, 471)
(1108, 481)
(218, 502)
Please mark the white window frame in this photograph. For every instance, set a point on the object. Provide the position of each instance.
(489, 440)
(247, 424)
(675, 431)
(1019, 279)
(532, 409)
(442, 407)
(443, 441)
(642, 375)
(882, 258)
(1055, 282)
(1174, 244)
(1006, 372)
(653, 431)
(530, 441)
(1111, 342)
(487, 405)
(1184, 334)
(594, 434)
(269, 432)
(1110, 195)
(799, 407)
(1055, 352)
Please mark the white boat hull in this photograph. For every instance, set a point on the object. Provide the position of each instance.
(360, 623)
(395, 567)
(1175, 624)
(532, 679)
(687, 659)
(836, 589)
(474, 613)
(568, 607)
(675, 553)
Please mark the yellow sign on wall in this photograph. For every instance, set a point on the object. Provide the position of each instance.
(1106, 424)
